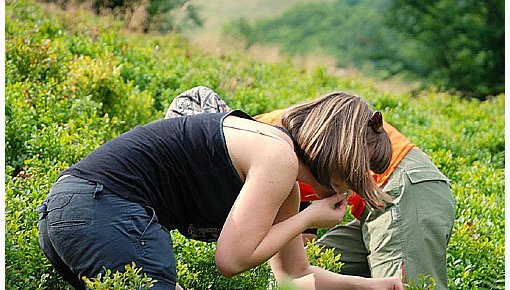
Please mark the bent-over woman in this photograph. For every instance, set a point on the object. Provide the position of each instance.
(217, 177)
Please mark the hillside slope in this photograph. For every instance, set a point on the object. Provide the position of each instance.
(217, 13)
(74, 81)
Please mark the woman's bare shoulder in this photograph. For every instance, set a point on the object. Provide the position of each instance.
(259, 147)
(256, 127)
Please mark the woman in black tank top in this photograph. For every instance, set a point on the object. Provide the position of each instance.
(216, 177)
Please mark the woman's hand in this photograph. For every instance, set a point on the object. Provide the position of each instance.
(327, 212)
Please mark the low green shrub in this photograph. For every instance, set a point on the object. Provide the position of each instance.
(100, 79)
(196, 268)
(130, 279)
(425, 283)
(323, 257)
(71, 88)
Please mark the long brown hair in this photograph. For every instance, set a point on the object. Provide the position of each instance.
(333, 138)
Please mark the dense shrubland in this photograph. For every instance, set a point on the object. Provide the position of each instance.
(145, 16)
(74, 81)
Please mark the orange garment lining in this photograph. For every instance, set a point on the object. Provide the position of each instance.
(400, 146)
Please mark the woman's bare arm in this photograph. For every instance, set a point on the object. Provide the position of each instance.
(252, 234)
(291, 263)
(249, 236)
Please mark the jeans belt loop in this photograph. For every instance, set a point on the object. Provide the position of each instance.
(98, 190)
(42, 210)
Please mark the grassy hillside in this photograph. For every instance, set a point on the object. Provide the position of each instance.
(351, 32)
(217, 13)
(450, 44)
(74, 81)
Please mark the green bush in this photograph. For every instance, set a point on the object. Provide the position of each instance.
(324, 258)
(162, 16)
(457, 44)
(72, 84)
(196, 268)
(425, 283)
(132, 278)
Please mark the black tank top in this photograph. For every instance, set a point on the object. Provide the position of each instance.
(179, 166)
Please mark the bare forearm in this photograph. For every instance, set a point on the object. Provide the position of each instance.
(317, 278)
(278, 236)
(282, 233)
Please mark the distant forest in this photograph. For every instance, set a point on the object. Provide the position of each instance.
(449, 44)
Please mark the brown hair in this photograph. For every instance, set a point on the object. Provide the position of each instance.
(333, 138)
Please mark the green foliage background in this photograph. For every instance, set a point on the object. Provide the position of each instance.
(351, 31)
(74, 81)
(450, 44)
(163, 16)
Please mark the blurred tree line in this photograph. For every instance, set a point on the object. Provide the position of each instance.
(450, 44)
(163, 16)
(459, 43)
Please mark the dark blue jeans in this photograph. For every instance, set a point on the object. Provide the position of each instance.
(83, 227)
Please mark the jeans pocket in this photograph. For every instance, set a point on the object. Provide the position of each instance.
(143, 221)
(70, 203)
(68, 210)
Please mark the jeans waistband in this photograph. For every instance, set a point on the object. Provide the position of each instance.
(63, 177)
